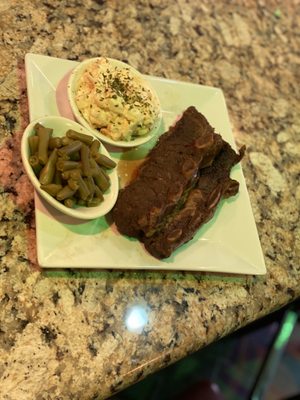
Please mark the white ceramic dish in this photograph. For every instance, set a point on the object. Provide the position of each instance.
(60, 125)
(72, 89)
(228, 243)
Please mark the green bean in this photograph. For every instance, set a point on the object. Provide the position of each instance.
(35, 164)
(64, 165)
(100, 171)
(98, 192)
(57, 177)
(73, 184)
(75, 156)
(83, 190)
(47, 173)
(33, 142)
(70, 202)
(91, 185)
(69, 168)
(44, 135)
(101, 181)
(64, 157)
(95, 168)
(65, 174)
(81, 202)
(71, 174)
(65, 140)
(55, 143)
(75, 173)
(65, 193)
(94, 172)
(104, 161)
(95, 146)
(85, 160)
(87, 139)
(105, 174)
(94, 202)
(70, 148)
(52, 188)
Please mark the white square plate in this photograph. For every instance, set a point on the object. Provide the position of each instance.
(228, 243)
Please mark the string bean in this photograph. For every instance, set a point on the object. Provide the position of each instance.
(70, 168)
(44, 135)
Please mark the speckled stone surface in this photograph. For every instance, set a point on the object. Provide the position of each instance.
(62, 336)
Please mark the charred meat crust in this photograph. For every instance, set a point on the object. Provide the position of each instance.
(168, 170)
(178, 186)
(213, 184)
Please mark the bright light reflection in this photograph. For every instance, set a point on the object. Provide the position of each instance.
(136, 318)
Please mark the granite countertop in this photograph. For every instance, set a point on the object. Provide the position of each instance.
(63, 336)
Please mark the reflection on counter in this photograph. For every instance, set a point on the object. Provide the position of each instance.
(136, 318)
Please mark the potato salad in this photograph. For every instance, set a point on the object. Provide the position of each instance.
(116, 101)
